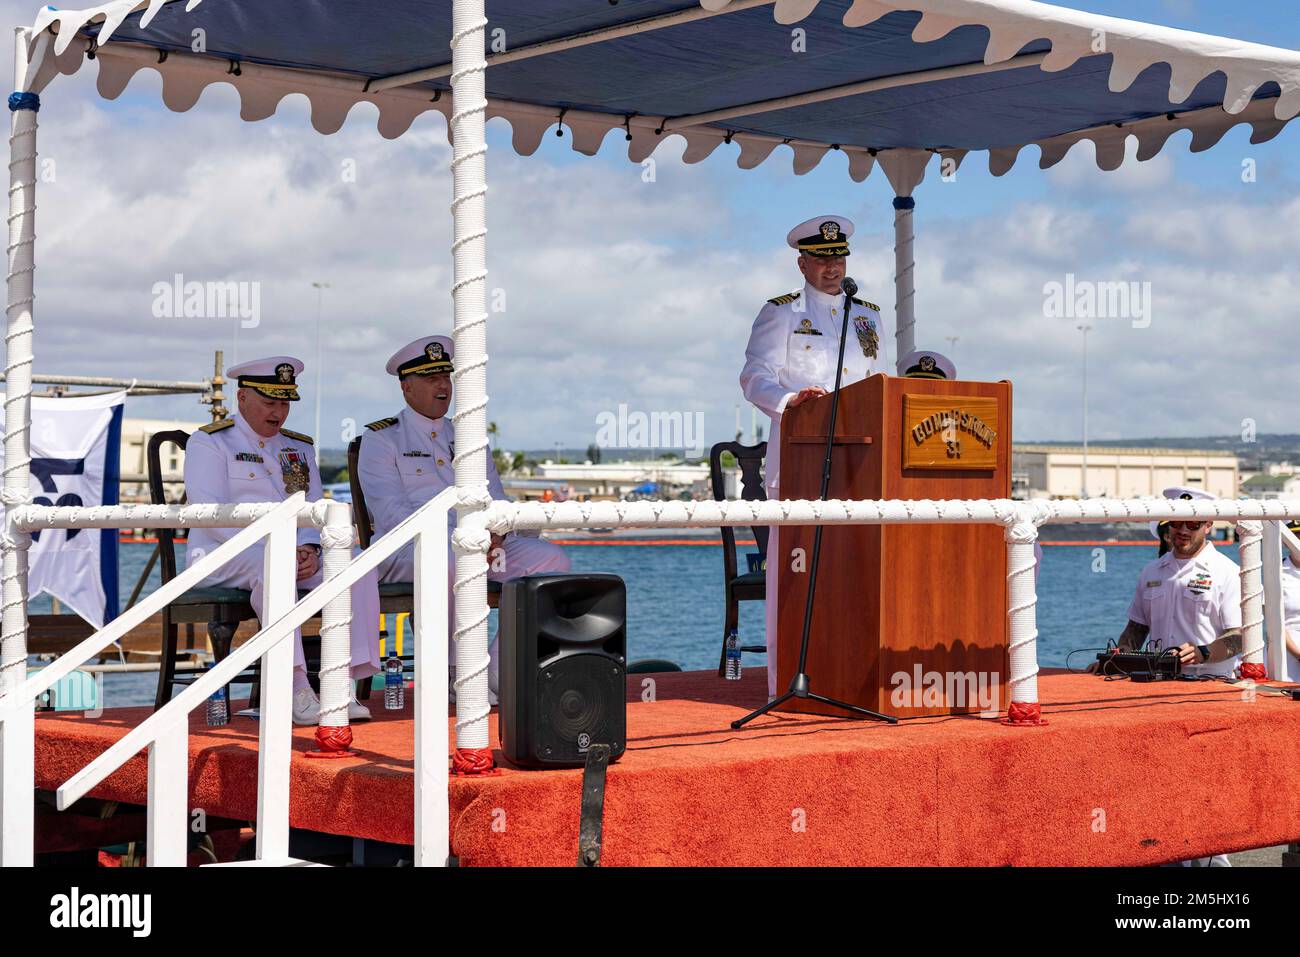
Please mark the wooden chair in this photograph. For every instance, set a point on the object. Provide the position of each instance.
(222, 609)
(747, 586)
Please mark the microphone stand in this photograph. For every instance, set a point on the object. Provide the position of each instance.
(800, 684)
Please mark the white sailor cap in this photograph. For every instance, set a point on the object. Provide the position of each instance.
(822, 236)
(927, 364)
(1185, 494)
(275, 377)
(427, 355)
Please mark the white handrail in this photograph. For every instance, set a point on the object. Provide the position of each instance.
(266, 639)
(17, 717)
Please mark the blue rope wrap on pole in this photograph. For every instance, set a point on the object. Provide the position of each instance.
(904, 202)
(24, 101)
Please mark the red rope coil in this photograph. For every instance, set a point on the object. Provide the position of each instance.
(469, 761)
(1254, 671)
(333, 743)
(1024, 713)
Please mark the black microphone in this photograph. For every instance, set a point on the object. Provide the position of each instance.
(849, 286)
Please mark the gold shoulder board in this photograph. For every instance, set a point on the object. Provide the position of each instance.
(299, 436)
(217, 426)
(787, 298)
(863, 302)
(382, 424)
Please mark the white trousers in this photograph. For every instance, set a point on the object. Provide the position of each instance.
(519, 556)
(770, 611)
(245, 571)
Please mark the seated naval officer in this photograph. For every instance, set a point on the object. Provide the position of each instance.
(251, 457)
(406, 460)
(1189, 599)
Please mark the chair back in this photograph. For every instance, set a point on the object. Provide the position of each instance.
(750, 459)
(166, 536)
(359, 511)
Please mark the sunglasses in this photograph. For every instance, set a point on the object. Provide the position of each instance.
(1190, 526)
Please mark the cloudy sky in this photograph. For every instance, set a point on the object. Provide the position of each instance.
(621, 291)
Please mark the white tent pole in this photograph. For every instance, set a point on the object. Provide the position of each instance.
(904, 279)
(18, 364)
(469, 251)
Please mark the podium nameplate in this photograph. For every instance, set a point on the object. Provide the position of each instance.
(950, 432)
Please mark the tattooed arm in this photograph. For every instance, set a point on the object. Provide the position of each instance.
(1227, 645)
(1134, 636)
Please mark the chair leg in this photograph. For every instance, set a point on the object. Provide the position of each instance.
(167, 662)
(222, 635)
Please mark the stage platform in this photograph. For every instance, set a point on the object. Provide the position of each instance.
(1122, 774)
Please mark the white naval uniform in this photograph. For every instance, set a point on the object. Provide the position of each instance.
(235, 465)
(1196, 600)
(1291, 613)
(794, 345)
(404, 464)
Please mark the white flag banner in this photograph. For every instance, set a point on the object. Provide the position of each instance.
(75, 458)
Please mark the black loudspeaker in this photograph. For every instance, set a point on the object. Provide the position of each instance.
(563, 664)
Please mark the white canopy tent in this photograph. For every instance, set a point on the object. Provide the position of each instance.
(899, 82)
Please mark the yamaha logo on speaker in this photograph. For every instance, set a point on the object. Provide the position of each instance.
(584, 742)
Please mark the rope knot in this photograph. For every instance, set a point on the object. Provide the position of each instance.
(15, 496)
(1248, 530)
(467, 541)
(337, 536)
(473, 497)
(24, 101)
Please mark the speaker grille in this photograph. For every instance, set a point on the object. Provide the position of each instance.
(576, 694)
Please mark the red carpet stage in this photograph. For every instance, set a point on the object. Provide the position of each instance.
(1128, 774)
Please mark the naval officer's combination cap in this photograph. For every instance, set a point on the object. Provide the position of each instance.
(822, 236)
(428, 355)
(926, 364)
(275, 377)
(1180, 493)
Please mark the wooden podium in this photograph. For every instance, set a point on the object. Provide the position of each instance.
(908, 620)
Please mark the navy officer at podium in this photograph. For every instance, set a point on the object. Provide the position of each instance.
(792, 353)
(406, 460)
(251, 457)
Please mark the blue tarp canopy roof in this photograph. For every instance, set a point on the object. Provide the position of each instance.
(949, 75)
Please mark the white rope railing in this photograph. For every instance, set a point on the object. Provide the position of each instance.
(503, 517)
(469, 298)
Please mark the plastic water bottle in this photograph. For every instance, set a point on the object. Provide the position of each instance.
(217, 713)
(394, 684)
(733, 656)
